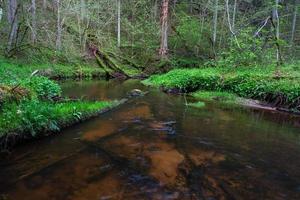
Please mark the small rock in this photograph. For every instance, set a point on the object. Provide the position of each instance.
(136, 93)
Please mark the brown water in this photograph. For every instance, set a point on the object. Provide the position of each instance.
(154, 147)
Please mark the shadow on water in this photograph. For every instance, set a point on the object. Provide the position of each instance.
(155, 147)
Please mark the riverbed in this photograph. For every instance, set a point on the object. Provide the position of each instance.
(156, 147)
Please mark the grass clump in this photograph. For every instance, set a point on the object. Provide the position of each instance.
(198, 104)
(36, 118)
(223, 97)
(256, 83)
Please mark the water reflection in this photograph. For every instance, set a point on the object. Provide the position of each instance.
(154, 147)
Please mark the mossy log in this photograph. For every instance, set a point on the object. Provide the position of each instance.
(104, 60)
(108, 64)
(125, 60)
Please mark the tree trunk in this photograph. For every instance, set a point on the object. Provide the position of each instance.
(294, 22)
(229, 24)
(83, 24)
(58, 25)
(13, 22)
(277, 35)
(82, 9)
(191, 6)
(163, 51)
(215, 21)
(1, 13)
(234, 15)
(119, 22)
(44, 4)
(155, 10)
(33, 21)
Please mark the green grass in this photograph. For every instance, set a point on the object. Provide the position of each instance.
(223, 97)
(37, 117)
(198, 104)
(29, 107)
(258, 82)
(12, 71)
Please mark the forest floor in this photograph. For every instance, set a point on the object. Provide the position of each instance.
(32, 106)
(231, 84)
(52, 71)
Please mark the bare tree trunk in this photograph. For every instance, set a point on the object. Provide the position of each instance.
(229, 24)
(155, 9)
(277, 35)
(58, 25)
(82, 25)
(294, 22)
(215, 21)
(44, 4)
(33, 21)
(234, 14)
(13, 22)
(82, 9)
(119, 22)
(163, 51)
(191, 6)
(1, 13)
(221, 30)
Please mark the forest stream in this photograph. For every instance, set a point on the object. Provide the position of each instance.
(156, 147)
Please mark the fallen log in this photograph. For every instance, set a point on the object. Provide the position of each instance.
(125, 60)
(108, 64)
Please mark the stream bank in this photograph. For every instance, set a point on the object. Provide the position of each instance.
(228, 84)
(31, 105)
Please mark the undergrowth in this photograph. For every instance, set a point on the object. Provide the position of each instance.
(256, 82)
(32, 105)
(38, 117)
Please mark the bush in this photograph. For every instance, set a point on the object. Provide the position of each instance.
(42, 87)
(248, 54)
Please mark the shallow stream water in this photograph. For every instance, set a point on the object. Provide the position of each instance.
(155, 147)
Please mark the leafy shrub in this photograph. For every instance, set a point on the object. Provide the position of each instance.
(42, 87)
(248, 54)
(190, 39)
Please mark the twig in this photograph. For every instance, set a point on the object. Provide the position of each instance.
(265, 23)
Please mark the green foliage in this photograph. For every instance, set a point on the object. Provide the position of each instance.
(185, 62)
(248, 53)
(42, 87)
(36, 113)
(190, 40)
(12, 72)
(37, 117)
(216, 96)
(257, 83)
(198, 104)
